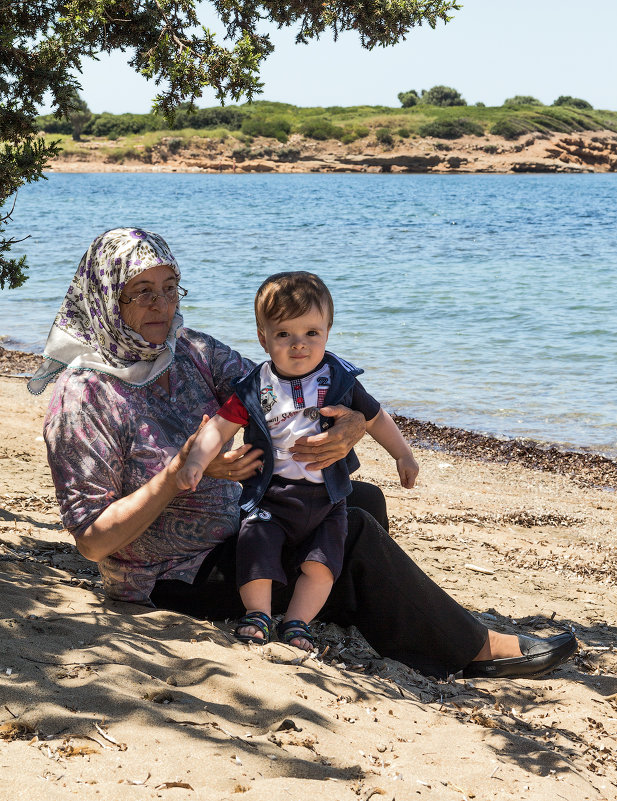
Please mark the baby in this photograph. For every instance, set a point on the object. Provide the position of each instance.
(286, 504)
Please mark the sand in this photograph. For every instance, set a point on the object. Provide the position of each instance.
(103, 700)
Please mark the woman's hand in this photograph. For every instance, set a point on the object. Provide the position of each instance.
(322, 450)
(180, 458)
(236, 464)
(124, 520)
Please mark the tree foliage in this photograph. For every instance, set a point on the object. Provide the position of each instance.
(273, 127)
(43, 43)
(79, 116)
(321, 129)
(442, 96)
(521, 100)
(112, 126)
(408, 99)
(436, 96)
(384, 137)
(573, 102)
(224, 117)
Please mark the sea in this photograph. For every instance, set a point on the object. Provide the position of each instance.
(484, 302)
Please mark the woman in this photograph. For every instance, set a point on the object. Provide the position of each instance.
(118, 429)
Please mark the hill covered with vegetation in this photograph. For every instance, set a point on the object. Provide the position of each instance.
(518, 116)
(285, 133)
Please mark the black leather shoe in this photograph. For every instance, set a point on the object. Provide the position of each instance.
(539, 656)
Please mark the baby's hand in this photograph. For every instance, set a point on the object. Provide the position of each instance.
(407, 469)
(189, 476)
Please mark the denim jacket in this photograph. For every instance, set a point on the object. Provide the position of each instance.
(336, 476)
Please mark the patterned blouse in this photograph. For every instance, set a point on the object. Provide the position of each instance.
(105, 439)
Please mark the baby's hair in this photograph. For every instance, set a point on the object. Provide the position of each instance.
(285, 296)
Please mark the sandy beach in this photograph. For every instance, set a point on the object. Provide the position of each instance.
(102, 700)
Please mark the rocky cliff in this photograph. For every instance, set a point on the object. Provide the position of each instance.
(586, 152)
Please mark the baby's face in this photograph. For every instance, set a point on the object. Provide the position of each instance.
(296, 346)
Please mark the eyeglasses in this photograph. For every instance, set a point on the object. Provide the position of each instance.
(149, 298)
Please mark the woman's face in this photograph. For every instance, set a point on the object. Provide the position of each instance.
(152, 321)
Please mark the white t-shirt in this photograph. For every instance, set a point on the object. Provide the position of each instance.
(291, 410)
(290, 407)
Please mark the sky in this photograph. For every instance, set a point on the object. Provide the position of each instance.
(489, 51)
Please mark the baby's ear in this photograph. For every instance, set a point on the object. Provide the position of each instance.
(262, 339)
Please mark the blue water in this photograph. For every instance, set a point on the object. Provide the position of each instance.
(481, 301)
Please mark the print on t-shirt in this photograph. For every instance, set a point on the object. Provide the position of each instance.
(267, 398)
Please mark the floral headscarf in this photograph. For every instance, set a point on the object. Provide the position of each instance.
(89, 333)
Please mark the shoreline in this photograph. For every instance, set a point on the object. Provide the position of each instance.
(586, 468)
(583, 152)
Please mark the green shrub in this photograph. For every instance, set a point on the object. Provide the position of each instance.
(549, 120)
(348, 137)
(362, 131)
(490, 148)
(480, 104)
(555, 119)
(384, 137)
(573, 102)
(241, 153)
(408, 99)
(288, 154)
(404, 133)
(74, 123)
(223, 117)
(511, 128)
(54, 125)
(280, 154)
(521, 100)
(321, 130)
(270, 127)
(120, 154)
(114, 125)
(442, 146)
(115, 156)
(442, 96)
(451, 129)
(173, 144)
(107, 124)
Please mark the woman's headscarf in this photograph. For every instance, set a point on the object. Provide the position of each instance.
(89, 333)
